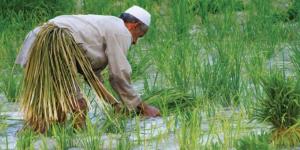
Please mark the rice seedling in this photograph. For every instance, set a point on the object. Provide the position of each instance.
(140, 63)
(220, 75)
(26, 139)
(206, 7)
(3, 125)
(199, 57)
(63, 135)
(280, 108)
(254, 142)
(91, 139)
(296, 57)
(293, 11)
(29, 6)
(190, 132)
(286, 12)
(10, 85)
(117, 124)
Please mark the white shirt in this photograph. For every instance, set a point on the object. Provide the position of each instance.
(105, 40)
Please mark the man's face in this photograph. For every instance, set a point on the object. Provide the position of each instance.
(136, 33)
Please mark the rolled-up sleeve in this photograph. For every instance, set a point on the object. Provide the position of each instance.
(120, 70)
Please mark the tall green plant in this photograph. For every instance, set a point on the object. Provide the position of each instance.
(206, 7)
(295, 55)
(29, 6)
(280, 107)
(10, 85)
(254, 142)
(221, 65)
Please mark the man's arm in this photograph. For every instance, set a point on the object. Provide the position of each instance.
(120, 70)
(119, 75)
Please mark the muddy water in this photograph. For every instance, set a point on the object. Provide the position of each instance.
(163, 129)
(10, 117)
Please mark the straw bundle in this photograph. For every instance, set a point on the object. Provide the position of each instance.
(50, 80)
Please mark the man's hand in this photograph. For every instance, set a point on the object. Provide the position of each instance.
(147, 110)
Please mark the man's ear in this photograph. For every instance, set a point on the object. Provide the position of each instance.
(136, 25)
(132, 25)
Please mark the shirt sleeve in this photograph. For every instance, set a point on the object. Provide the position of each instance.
(120, 69)
(25, 50)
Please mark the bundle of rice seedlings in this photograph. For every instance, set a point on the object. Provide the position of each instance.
(50, 79)
(171, 99)
(280, 108)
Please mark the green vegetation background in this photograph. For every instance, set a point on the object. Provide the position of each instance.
(197, 55)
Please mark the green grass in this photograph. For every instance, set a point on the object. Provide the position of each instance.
(198, 59)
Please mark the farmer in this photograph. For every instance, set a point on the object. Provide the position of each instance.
(53, 53)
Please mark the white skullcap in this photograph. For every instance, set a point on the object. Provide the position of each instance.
(140, 13)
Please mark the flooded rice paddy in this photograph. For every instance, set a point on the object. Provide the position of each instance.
(156, 133)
